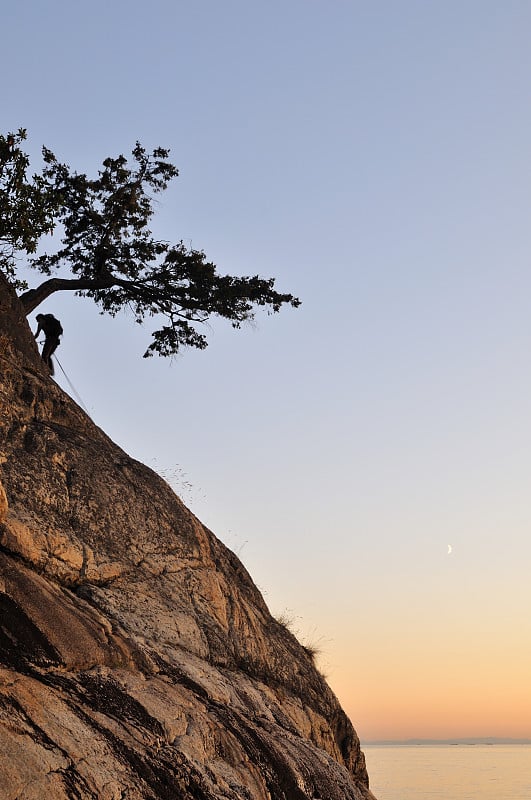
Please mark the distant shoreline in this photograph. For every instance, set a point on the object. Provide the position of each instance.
(492, 740)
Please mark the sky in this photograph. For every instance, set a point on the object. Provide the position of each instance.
(368, 455)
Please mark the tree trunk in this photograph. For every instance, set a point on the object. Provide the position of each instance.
(34, 297)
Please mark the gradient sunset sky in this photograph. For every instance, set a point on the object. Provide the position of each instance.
(367, 456)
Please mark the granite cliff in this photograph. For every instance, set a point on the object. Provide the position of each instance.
(137, 657)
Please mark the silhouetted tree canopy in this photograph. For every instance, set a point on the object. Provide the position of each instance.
(109, 250)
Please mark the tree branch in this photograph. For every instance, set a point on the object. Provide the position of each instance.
(34, 297)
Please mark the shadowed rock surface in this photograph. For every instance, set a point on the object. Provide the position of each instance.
(137, 657)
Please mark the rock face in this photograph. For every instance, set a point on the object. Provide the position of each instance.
(137, 658)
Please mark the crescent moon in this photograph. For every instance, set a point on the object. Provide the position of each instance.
(449, 549)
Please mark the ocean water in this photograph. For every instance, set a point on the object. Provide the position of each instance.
(449, 772)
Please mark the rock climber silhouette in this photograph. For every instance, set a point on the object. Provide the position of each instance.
(52, 329)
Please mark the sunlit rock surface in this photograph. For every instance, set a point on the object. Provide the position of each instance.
(137, 657)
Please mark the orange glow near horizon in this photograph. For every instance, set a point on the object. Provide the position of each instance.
(483, 692)
(441, 648)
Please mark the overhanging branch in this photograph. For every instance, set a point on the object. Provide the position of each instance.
(34, 297)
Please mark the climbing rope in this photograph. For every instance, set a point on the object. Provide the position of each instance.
(14, 363)
(78, 397)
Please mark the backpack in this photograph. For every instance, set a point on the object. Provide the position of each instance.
(51, 326)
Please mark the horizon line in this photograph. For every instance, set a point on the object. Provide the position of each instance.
(468, 740)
